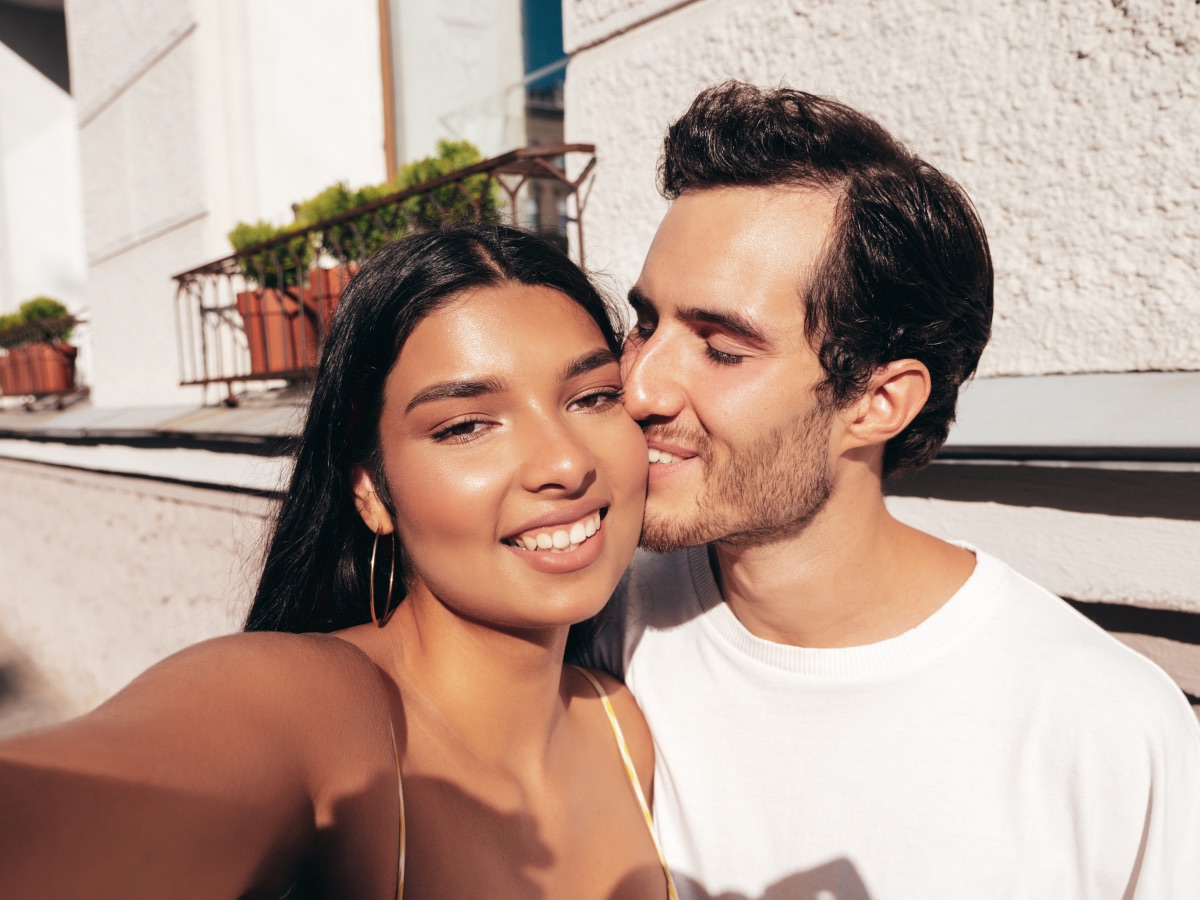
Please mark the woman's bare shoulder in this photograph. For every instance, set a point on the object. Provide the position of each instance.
(270, 671)
(633, 725)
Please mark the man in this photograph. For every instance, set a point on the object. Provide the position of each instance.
(845, 707)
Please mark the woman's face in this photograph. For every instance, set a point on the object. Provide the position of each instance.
(518, 479)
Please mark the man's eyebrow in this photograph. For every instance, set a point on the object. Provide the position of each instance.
(731, 321)
(454, 390)
(588, 362)
(637, 298)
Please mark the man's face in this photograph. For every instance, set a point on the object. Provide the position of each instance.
(720, 374)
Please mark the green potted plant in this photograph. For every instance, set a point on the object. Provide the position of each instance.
(35, 357)
(476, 199)
(341, 244)
(281, 330)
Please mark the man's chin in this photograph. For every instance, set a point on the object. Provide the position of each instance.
(666, 534)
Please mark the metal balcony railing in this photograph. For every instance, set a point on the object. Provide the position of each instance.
(261, 314)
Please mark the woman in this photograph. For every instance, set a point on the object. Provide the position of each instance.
(467, 487)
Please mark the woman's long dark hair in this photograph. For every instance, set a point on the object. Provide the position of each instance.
(316, 575)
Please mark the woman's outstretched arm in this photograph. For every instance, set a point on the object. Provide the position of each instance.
(226, 770)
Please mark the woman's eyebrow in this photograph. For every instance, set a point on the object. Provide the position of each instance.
(588, 362)
(454, 390)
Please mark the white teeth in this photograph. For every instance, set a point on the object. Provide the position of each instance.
(561, 539)
(662, 456)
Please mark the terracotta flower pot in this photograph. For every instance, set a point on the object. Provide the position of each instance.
(42, 368)
(8, 374)
(326, 286)
(281, 330)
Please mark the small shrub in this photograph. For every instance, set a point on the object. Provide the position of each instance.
(282, 265)
(14, 327)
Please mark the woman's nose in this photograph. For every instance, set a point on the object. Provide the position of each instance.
(557, 458)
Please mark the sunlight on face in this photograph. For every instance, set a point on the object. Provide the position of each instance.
(502, 431)
(720, 372)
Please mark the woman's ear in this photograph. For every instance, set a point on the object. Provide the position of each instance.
(366, 500)
(894, 396)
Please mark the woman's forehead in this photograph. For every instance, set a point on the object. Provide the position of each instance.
(497, 331)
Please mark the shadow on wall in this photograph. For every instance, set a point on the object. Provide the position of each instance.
(1163, 494)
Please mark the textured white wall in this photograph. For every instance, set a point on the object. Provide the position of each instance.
(104, 575)
(1072, 125)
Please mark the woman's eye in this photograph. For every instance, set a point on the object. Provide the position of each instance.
(598, 400)
(460, 432)
(722, 358)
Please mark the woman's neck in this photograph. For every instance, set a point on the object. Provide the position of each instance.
(496, 693)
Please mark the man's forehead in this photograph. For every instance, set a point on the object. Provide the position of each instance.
(740, 247)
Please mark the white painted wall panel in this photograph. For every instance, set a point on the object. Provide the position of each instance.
(41, 216)
(460, 74)
(143, 168)
(113, 41)
(316, 98)
(135, 361)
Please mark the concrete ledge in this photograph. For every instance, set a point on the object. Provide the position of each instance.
(265, 426)
(1120, 416)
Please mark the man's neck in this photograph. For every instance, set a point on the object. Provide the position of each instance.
(852, 576)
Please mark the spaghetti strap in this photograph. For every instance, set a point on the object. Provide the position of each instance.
(403, 828)
(672, 894)
(631, 772)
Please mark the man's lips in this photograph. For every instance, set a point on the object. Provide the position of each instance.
(661, 453)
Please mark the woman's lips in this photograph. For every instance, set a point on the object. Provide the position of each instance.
(561, 538)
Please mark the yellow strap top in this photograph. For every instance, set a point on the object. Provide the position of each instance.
(630, 772)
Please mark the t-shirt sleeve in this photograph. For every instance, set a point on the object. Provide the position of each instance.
(1169, 864)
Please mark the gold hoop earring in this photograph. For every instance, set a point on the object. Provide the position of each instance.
(387, 604)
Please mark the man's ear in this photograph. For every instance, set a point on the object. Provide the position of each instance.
(894, 396)
(367, 501)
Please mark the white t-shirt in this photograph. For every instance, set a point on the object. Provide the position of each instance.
(1006, 747)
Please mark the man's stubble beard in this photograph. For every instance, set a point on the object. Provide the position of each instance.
(767, 491)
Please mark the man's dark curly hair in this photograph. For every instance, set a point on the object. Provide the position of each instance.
(906, 272)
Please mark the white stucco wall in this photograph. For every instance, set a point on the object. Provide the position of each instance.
(193, 115)
(41, 217)
(1072, 125)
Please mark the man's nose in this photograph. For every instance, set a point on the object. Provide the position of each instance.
(651, 372)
